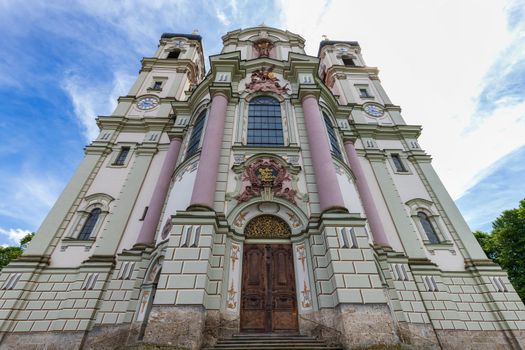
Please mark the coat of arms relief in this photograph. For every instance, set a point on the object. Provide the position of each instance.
(267, 178)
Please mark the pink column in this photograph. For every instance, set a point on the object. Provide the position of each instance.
(205, 182)
(330, 196)
(147, 232)
(378, 232)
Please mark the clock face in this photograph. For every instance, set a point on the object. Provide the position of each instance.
(147, 103)
(374, 110)
(342, 49)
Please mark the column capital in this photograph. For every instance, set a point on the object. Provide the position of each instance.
(305, 92)
(376, 156)
(221, 90)
(97, 149)
(146, 150)
(175, 135)
(421, 158)
(349, 139)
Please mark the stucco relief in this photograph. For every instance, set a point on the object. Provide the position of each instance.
(267, 178)
(232, 294)
(305, 292)
(265, 80)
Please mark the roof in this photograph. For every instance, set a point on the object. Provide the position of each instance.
(187, 36)
(334, 42)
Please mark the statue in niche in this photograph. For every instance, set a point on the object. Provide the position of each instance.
(265, 80)
(263, 48)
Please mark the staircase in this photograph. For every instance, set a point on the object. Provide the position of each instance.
(270, 341)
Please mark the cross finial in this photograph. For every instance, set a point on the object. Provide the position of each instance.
(262, 24)
(195, 32)
(325, 37)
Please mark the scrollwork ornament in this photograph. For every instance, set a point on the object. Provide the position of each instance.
(267, 226)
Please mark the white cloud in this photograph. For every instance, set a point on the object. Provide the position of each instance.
(90, 100)
(14, 235)
(221, 16)
(433, 58)
(30, 194)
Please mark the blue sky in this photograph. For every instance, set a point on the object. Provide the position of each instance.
(459, 73)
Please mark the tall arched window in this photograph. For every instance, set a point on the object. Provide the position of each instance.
(265, 127)
(334, 144)
(89, 225)
(427, 226)
(196, 134)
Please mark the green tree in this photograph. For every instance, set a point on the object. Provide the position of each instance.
(7, 254)
(505, 245)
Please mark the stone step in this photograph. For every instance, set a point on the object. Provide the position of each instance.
(277, 347)
(270, 335)
(267, 339)
(262, 344)
(271, 341)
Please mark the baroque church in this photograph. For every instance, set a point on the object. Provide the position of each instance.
(278, 199)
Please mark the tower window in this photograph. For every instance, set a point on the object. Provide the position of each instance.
(157, 85)
(363, 92)
(265, 127)
(196, 134)
(121, 158)
(400, 167)
(89, 225)
(427, 226)
(348, 61)
(332, 137)
(174, 54)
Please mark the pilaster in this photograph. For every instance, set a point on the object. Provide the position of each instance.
(470, 244)
(151, 221)
(330, 196)
(207, 172)
(374, 220)
(404, 227)
(109, 239)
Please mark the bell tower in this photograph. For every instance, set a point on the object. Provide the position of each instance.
(343, 69)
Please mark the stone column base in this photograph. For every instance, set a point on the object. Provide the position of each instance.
(420, 335)
(219, 325)
(352, 325)
(63, 340)
(182, 326)
(477, 340)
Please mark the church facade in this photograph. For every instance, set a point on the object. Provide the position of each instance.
(278, 193)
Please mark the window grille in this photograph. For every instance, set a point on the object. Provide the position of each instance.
(265, 127)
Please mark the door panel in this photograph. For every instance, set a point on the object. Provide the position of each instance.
(284, 301)
(253, 296)
(268, 299)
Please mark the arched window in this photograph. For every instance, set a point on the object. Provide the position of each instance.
(196, 134)
(427, 226)
(89, 225)
(334, 144)
(265, 127)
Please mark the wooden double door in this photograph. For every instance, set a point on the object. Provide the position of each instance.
(268, 297)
